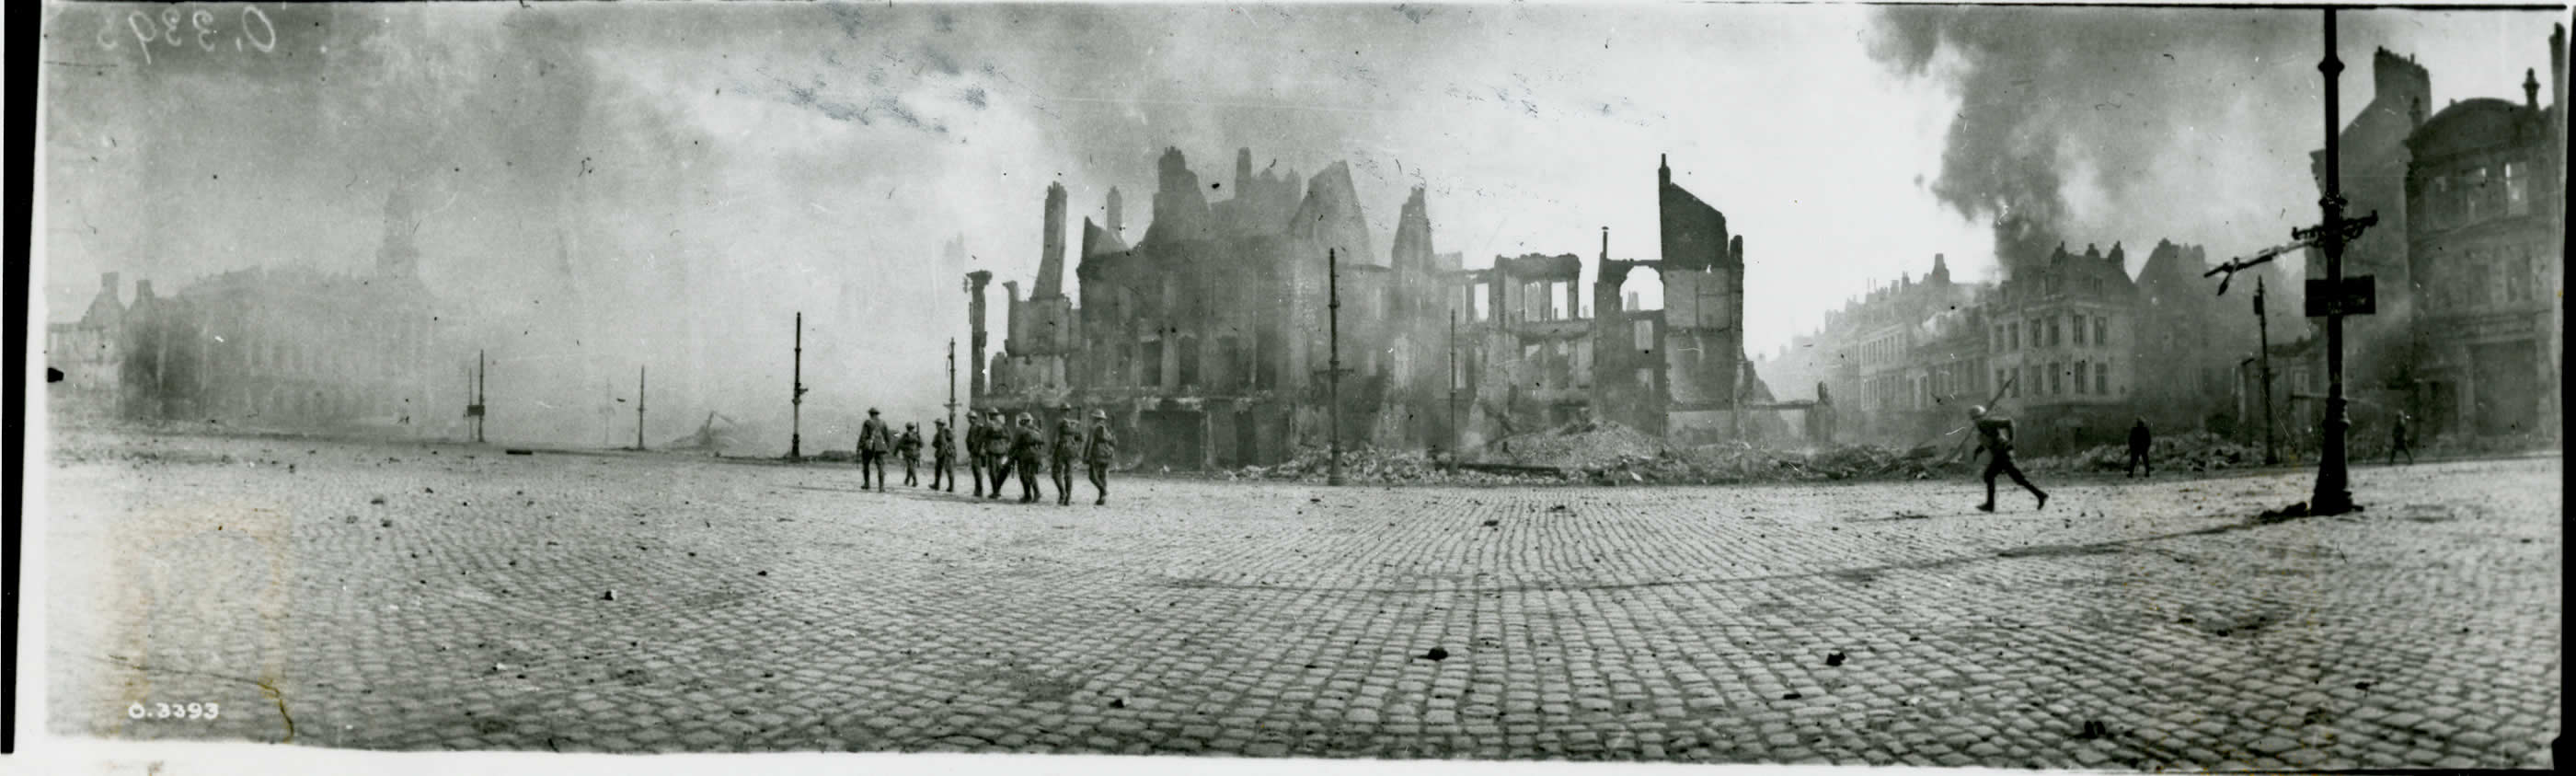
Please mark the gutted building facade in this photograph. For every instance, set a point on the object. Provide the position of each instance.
(1208, 339)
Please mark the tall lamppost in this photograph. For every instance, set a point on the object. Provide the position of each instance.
(2334, 492)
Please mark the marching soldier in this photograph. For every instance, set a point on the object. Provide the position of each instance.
(943, 455)
(1028, 452)
(1097, 451)
(909, 449)
(997, 451)
(975, 431)
(1995, 437)
(1067, 449)
(874, 441)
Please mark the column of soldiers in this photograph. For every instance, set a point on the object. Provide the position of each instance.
(995, 448)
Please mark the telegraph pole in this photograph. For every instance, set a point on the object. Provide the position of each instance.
(2263, 331)
(639, 408)
(1333, 293)
(952, 382)
(477, 409)
(2334, 493)
(796, 398)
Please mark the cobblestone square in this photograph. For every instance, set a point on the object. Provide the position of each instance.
(452, 597)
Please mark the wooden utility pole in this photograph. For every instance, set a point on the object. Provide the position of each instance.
(2263, 334)
(477, 408)
(952, 382)
(1333, 295)
(796, 395)
(639, 408)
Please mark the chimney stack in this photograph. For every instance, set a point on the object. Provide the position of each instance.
(1116, 207)
(1051, 261)
(1605, 243)
(2557, 66)
(2530, 89)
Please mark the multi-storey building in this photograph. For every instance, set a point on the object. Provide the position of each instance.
(2060, 328)
(271, 347)
(90, 353)
(2486, 187)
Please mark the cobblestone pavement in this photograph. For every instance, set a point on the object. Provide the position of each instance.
(406, 597)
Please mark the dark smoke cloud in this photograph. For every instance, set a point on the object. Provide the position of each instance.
(2095, 124)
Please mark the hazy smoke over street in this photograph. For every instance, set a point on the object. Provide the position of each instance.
(598, 188)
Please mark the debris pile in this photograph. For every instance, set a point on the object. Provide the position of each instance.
(2198, 451)
(1381, 467)
(1580, 445)
(1739, 463)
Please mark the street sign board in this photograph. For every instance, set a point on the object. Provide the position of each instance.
(473, 410)
(2359, 296)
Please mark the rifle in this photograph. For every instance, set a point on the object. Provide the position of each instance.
(1969, 445)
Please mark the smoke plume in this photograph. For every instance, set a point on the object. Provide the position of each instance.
(2095, 125)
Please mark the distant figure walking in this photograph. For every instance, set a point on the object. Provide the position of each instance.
(1995, 437)
(2139, 443)
(909, 449)
(1100, 448)
(943, 455)
(874, 442)
(997, 451)
(1066, 448)
(1028, 452)
(2397, 441)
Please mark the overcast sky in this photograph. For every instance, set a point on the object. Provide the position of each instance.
(780, 154)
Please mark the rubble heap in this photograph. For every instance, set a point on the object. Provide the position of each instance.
(2197, 451)
(1579, 445)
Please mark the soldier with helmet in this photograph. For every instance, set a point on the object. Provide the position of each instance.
(1098, 450)
(943, 455)
(1028, 453)
(997, 451)
(1061, 454)
(874, 442)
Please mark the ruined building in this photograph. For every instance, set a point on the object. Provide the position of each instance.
(1681, 371)
(1209, 343)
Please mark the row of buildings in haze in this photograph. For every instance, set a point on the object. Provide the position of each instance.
(2467, 261)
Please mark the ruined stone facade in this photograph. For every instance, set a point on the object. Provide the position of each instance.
(1209, 340)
